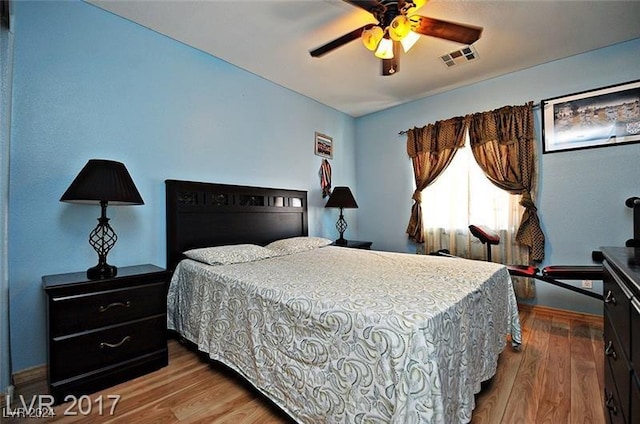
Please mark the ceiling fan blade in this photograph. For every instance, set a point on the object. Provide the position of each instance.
(465, 34)
(339, 42)
(392, 66)
(368, 5)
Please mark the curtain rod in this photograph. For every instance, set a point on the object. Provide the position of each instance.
(534, 106)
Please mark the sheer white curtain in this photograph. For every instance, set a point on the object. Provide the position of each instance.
(461, 196)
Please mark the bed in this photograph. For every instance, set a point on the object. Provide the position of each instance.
(331, 334)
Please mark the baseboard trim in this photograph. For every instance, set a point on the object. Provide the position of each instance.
(30, 382)
(562, 313)
(37, 374)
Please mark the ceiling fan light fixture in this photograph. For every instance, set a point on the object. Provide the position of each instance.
(385, 49)
(408, 41)
(398, 23)
(371, 37)
(399, 28)
(412, 6)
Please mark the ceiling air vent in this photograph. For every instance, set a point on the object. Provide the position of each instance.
(458, 57)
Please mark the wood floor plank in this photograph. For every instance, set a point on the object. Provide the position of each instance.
(555, 401)
(145, 392)
(491, 402)
(597, 343)
(226, 395)
(525, 396)
(252, 412)
(586, 394)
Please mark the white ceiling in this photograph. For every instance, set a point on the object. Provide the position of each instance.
(272, 39)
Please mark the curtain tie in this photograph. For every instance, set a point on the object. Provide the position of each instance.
(417, 196)
(527, 201)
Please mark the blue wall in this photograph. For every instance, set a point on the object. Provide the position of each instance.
(88, 84)
(6, 69)
(581, 193)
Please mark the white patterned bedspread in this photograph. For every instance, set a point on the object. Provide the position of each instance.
(337, 335)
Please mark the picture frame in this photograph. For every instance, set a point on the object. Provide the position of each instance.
(595, 118)
(323, 145)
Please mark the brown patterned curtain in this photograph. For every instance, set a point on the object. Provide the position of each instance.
(503, 144)
(431, 149)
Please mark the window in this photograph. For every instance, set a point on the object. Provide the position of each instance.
(461, 196)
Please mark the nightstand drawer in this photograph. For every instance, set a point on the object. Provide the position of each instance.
(106, 331)
(92, 350)
(88, 311)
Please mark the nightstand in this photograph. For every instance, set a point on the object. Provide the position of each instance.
(103, 332)
(355, 244)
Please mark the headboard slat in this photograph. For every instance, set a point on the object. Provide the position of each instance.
(207, 214)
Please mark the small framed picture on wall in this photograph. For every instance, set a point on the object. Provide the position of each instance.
(323, 146)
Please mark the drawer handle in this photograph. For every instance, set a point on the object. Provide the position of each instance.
(610, 405)
(114, 305)
(609, 298)
(609, 351)
(115, 345)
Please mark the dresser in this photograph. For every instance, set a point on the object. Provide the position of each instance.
(103, 332)
(622, 334)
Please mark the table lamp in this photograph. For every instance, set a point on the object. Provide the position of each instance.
(341, 197)
(103, 182)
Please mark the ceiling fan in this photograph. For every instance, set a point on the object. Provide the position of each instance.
(398, 26)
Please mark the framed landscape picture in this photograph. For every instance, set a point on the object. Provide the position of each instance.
(596, 118)
(324, 146)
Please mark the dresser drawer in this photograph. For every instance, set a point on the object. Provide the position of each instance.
(92, 350)
(86, 311)
(617, 303)
(612, 410)
(618, 365)
(635, 359)
(635, 335)
(635, 394)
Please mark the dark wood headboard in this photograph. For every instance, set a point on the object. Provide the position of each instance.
(207, 214)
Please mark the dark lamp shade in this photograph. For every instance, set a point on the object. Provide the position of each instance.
(341, 197)
(103, 180)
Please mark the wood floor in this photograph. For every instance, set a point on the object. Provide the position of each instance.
(557, 377)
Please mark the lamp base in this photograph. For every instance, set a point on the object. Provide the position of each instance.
(341, 226)
(102, 239)
(341, 242)
(102, 271)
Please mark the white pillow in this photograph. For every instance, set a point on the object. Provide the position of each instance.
(230, 254)
(297, 244)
